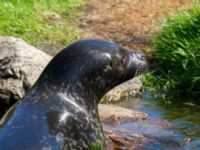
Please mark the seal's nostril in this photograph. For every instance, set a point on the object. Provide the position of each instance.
(111, 64)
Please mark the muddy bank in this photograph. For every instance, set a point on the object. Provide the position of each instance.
(131, 23)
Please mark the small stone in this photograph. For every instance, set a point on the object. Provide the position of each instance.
(118, 115)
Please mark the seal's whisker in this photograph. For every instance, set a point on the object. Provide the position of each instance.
(140, 70)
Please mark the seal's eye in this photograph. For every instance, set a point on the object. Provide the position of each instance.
(122, 60)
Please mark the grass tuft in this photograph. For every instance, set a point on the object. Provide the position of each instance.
(177, 57)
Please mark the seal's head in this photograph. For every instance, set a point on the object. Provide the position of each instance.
(97, 65)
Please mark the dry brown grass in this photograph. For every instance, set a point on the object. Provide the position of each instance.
(128, 22)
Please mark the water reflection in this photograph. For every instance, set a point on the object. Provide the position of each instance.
(185, 117)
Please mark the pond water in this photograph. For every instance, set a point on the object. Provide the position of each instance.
(184, 117)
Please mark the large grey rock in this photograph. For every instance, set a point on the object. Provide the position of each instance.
(20, 66)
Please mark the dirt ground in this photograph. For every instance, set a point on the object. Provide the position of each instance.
(130, 23)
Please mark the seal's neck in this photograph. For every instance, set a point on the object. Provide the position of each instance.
(80, 90)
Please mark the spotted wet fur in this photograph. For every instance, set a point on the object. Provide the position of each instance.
(60, 111)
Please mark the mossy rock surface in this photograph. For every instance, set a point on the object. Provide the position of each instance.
(126, 90)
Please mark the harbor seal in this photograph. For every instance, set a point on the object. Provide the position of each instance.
(60, 111)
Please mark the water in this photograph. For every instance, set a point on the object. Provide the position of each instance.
(185, 119)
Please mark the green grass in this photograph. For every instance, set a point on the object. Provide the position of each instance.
(41, 21)
(177, 57)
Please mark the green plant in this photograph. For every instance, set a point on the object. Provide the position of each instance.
(40, 21)
(177, 56)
